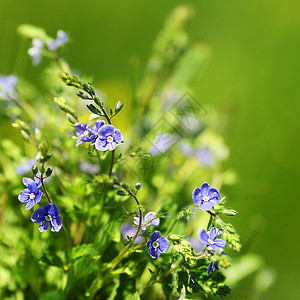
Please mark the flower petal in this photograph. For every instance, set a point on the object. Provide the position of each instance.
(205, 205)
(197, 196)
(44, 226)
(203, 236)
(214, 194)
(204, 189)
(220, 243)
(149, 216)
(38, 216)
(26, 181)
(24, 195)
(164, 244)
(155, 235)
(29, 204)
(209, 268)
(56, 224)
(101, 144)
(213, 233)
(38, 197)
(97, 126)
(118, 136)
(111, 146)
(149, 244)
(153, 252)
(106, 130)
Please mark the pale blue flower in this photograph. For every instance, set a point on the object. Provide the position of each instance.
(61, 39)
(7, 86)
(35, 52)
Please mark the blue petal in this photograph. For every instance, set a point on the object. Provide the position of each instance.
(111, 146)
(106, 130)
(149, 216)
(52, 209)
(24, 195)
(38, 216)
(197, 196)
(149, 244)
(56, 224)
(38, 197)
(155, 236)
(118, 136)
(80, 128)
(153, 252)
(204, 189)
(164, 245)
(29, 204)
(214, 194)
(205, 205)
(203, 236)
(97, 126)
(44, 226)
(27, 181)
(32, 187)
(220, 243)
(209, 268)
(213, 233)
(101, 144)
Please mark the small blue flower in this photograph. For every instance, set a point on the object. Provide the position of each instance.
(213, 266)
(35, 52)
(197, 245)
(108, 138)
(7, 86)
(48, 215)
(26, 168)
(127, 230)
(157, 244)
(210, 238)
(61, 39)
(149, 216)
(204, 155)
(31, 195)
(88, 168)
(161, 144)
(206, 197)
(85, 133)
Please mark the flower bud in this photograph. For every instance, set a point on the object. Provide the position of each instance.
(138, 185)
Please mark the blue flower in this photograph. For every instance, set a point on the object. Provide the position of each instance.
(61, 39)
(149, 216)
(213, 266)
(157, 244)
(108, 138)
(31, 194)
(85, 133)
(127, 230)
(204, 156)
(35, 52)
(161, 144)
(206, 197)
(48, 215)
(197, 245)
(88, 168)
(25, 168)
(7, 86)
(210, 238)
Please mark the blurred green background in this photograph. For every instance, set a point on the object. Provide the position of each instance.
(252, 77)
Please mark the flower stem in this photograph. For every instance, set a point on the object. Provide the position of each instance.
(44, 188)
(112, 162)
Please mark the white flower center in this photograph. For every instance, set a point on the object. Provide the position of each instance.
(205, 198)
(86, 132)
(48, 218)
(109, 139)
(211, 241)
(32, 196)
(155, 244)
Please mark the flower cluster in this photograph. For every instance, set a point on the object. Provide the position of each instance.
(103, 136)
(49, 214)
(35, 52)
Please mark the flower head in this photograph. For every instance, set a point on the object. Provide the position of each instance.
(31, 194)
(204, 156)
(26, 167)
(157, 244)
(206, 197)
(35, 52)
(161, 144)
(48, 215)
(61, 39)
(148, 217)
(127, 230)
(211, 239)
(108, 138)
(7, 86)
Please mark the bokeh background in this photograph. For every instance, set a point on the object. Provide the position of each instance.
(252, 77)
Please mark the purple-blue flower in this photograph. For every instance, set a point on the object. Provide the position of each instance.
(108, 138)
(47, 216)
(61, 39)
(25, 168)
(85, 133)
(149, 216)
(206, 197)
(157, 244)
(213, 266)
(31, 195)
(211, 239)
(7, 86)
(161, 144)
(204, 156)
(127, 230)
(35, 52)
